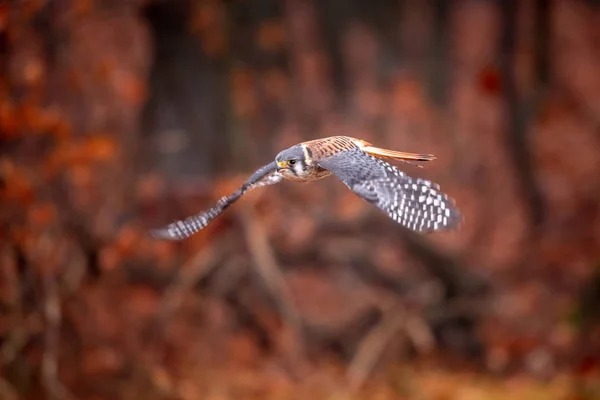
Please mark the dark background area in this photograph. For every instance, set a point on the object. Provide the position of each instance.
(120, 116)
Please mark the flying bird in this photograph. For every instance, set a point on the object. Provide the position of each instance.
(415, 203)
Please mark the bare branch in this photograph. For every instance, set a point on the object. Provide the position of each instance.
(7, 391)
(53, 316)
(269, 270)
(373, 345)
(192, 272)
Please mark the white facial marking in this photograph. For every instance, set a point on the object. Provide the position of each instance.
(306, 155)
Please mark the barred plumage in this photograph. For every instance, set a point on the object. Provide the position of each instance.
(415, 203)
(178, 230)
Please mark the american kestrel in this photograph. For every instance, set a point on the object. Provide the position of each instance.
(415, 203)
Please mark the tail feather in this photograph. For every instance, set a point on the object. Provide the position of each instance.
(396, 155)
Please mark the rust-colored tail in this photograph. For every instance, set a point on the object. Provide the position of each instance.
(396, 155)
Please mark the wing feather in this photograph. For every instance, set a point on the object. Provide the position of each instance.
(415, 203)
(183, 229)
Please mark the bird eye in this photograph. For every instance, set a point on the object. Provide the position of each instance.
(292, 162)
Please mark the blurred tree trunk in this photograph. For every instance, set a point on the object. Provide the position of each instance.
(518, 116)
(334, 16)
(542, 43)
(309, 66)
(440, 65)
(186, 117)
(257, 55)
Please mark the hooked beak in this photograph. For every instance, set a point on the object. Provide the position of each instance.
(281, 165)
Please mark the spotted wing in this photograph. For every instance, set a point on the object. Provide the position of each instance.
(183, 229)
(415, 203)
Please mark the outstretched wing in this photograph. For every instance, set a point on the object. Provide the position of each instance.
(415, 203)
(179, 230)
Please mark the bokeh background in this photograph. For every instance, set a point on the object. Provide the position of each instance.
(117, 116)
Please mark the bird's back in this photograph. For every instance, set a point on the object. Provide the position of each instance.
(326, 147)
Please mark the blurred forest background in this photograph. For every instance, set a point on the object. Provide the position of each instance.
(117, 116)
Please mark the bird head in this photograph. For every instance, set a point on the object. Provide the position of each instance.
(294, 162)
